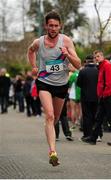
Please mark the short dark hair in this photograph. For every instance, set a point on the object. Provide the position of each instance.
(52, 15)
(89, 58)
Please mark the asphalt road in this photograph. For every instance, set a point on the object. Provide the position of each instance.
(24, 152)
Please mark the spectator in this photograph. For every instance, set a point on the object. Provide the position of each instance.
(104, 95)
(4, 90)
(65, 125)
(74, 98)
(35, 97)
(19, 96)
(87, 81)
(27, 94)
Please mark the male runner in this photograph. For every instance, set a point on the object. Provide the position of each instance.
(54, 51)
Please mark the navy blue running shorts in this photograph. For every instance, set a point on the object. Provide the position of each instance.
(56, 91)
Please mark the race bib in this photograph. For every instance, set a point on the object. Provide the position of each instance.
(54, 65)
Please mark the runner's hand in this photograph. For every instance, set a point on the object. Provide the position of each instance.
(35, 71)
(64, 51)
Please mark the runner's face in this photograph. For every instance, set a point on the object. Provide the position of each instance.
(53, 28)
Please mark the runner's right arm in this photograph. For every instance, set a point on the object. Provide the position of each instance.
(31, 54)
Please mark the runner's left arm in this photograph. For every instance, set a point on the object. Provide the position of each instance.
(69, 51)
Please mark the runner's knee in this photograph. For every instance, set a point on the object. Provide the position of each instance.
(50, 117)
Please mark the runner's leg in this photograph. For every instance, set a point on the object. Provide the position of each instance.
(58, 105)
(46, 100)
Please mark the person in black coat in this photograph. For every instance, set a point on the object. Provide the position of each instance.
(87, 81)
(64, 123)
(5, 83)
(27, 94)
(18, 90)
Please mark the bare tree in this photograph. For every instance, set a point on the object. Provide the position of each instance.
(3, 21)
(102, 27)
(24, 18)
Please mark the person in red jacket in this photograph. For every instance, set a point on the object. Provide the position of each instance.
(35, 96)
(104, 95)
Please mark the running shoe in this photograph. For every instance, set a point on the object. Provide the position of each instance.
(53, 159)
(99, 139)
(109, 143)
(89, 140)
(57, 139)
(72, 128)
(69, 138)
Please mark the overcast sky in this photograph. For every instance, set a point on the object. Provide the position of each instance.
(105, 8)
(104, 5)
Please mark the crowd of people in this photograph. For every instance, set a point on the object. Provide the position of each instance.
(21, 92)
(63, 88)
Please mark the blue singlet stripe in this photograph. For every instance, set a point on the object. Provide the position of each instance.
(52, 62)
